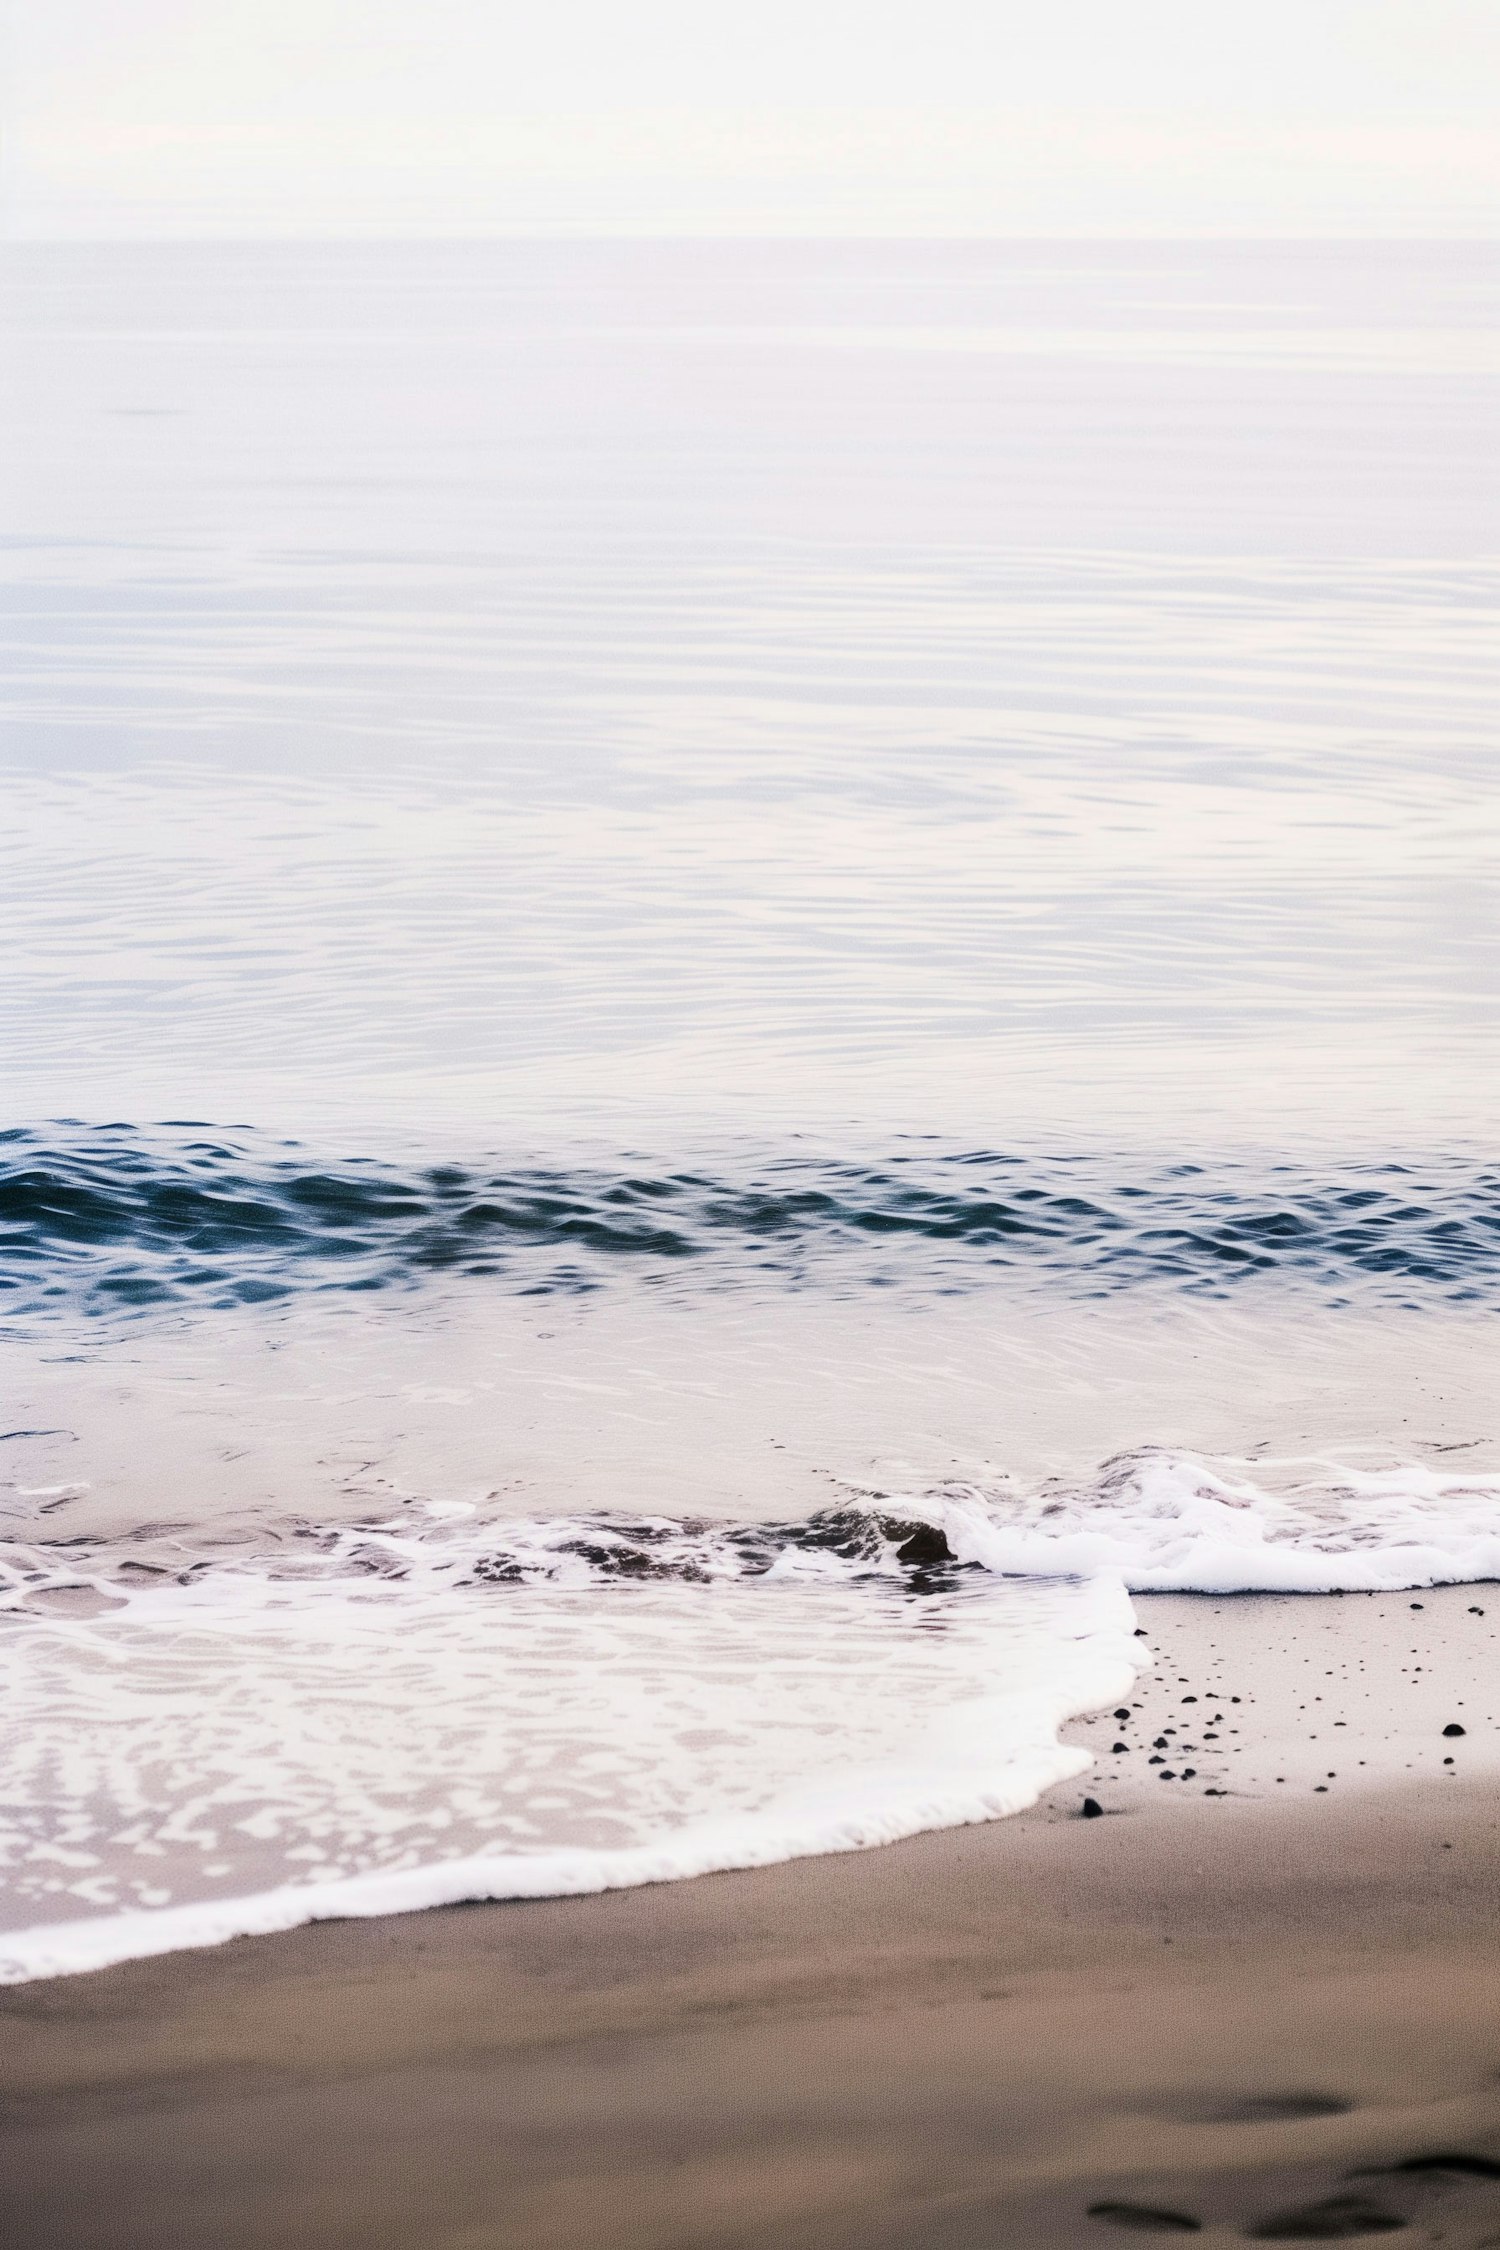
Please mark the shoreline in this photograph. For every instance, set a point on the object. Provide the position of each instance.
(969, 2037)
(1224, 2008)
(1195, 1728)
(1190, 1727)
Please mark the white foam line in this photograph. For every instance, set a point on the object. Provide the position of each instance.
(704, 1848)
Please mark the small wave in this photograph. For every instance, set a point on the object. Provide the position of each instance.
(117, 1218)
(1152, 1519)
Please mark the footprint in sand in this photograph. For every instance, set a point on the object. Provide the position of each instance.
(1145, 2218)
(1354, 2214)
(1342, 2218)
(1269, 2109)
(1447, 2165)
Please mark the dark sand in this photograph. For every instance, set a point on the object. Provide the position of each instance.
(1275, 2013)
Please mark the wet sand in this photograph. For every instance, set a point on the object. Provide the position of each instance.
(1271, 2014)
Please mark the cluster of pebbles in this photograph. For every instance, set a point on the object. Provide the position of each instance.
(1194, 1726)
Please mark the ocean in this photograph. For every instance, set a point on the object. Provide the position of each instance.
(740, 978)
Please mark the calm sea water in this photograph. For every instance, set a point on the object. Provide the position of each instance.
(734, 974)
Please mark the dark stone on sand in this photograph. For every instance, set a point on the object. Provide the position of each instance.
(1119, 1746)
(924, 1546)
(1146, 2218)
(1122, 1715)
(1453, 1728)
(1340, 2219)
(1091, 1809)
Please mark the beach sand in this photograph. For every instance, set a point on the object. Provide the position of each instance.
(1270, 2014)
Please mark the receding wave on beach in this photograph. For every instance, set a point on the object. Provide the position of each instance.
(376, 1716)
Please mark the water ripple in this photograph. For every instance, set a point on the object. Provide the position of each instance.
(118, 1217)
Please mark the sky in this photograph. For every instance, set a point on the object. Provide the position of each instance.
(977, 117)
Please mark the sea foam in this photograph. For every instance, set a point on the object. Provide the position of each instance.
(433, 1707)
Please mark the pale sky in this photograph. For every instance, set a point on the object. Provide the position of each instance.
(786, 116)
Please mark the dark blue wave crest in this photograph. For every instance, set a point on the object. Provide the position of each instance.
(119, 1216)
